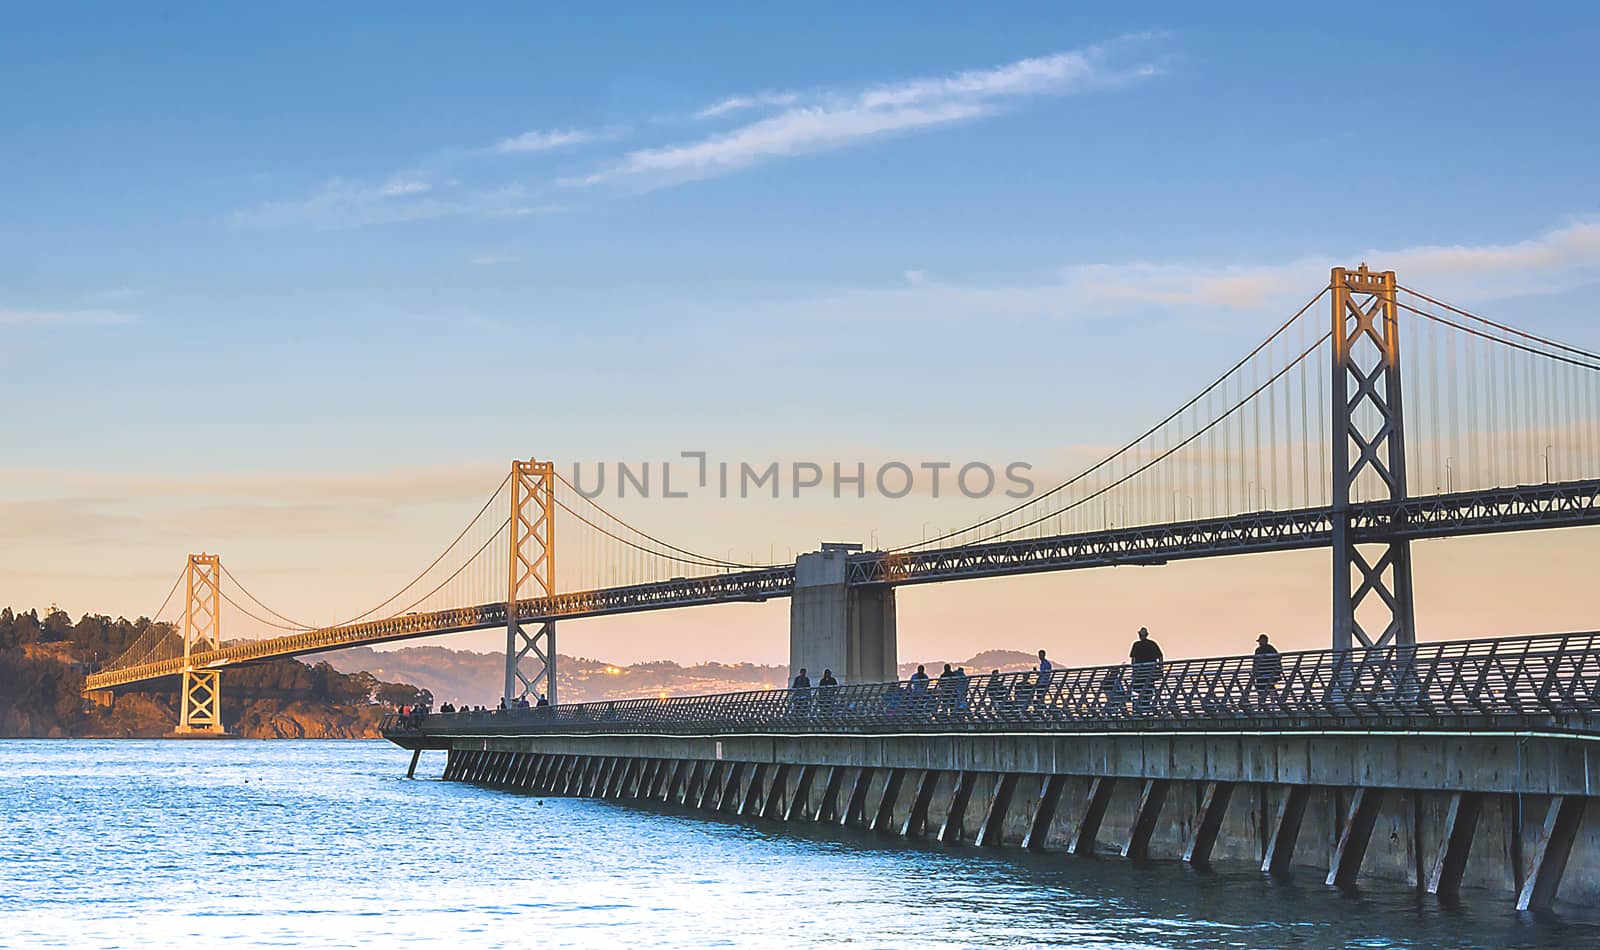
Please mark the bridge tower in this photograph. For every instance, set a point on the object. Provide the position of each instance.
(532, 574)
(1368, 423)
(200, 695)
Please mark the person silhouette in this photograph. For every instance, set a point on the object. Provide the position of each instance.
(1147, 658)
(826, 688)
(802, 693)
(1266, 669)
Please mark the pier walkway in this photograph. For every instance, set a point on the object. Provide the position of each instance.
(1454, 768)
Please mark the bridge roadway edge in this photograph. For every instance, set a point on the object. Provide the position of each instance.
(1519, 508)
(1377, 808)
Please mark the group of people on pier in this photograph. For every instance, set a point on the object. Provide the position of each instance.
(1026, 694)
(523, 702)
(827, 691)
(412, 715)
(1037, 694)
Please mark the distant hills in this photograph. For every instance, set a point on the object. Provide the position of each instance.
(343, 694)
(1006, 661)
(43, 661)
(464, 676)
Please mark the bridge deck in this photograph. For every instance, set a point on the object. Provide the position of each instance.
(1565, 504)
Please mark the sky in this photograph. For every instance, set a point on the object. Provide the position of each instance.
(294, 283)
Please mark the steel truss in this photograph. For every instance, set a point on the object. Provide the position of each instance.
(1368, 417)
(532, 571)
(200, 698)
(201, 701)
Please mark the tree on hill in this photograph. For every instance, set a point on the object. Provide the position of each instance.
(43, 664)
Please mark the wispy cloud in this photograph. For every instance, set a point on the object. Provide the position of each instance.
(741, 103)
(544, 141)
(834, 120)
(792, 123)
(345, 203)
(1561, 259)
(402, 188)
(433, 188)
(21, 317)
(795, 132)
(1557, 260)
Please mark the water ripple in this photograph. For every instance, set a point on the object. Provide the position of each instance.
(320, 844)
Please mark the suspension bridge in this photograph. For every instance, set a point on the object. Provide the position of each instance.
(1308, 441)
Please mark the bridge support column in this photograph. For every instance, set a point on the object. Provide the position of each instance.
(532, 573)
(1044, 811)
(200, 705)
(1550, 855)
(1094, 811)
(916, 823)
(752, 792)
(1367, 417)
(855, 810)
(891, 796)
(772, 804)
(801, 799)
(200, 693)
(1353, 839)
(708, 785)
(1286, 829)
(530, 662)
(732, 786)
(994, 820)
(1212, 811)
(828, 808)
(1460, 826)
(835, 626)
(692, 776)
(955, 818)
(1151, 800)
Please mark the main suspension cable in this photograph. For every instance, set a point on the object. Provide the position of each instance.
(690, 555)
(1167, 454)
(1142, 436)
(1504, 342)
(1544, 341)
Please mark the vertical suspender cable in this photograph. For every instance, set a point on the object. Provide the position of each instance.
(1305, 427)
(1322, 410)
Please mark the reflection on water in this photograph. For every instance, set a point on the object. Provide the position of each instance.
(121, 844)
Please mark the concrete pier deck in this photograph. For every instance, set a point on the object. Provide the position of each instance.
(1462, 770)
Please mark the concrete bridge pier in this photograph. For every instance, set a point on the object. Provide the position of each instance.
(836, 626)
(1461, 816)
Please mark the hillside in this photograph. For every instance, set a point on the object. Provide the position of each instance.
(43, 663)
(463, 676)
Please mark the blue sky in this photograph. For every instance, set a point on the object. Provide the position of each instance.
(248, 242)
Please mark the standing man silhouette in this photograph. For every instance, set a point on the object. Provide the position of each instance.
(1146, 656)
(1041, 683)
(802, 694)
(1266, 668)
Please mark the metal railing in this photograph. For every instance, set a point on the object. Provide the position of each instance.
(1551, 680)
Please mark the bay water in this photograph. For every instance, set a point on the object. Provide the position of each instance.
(326, 844)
